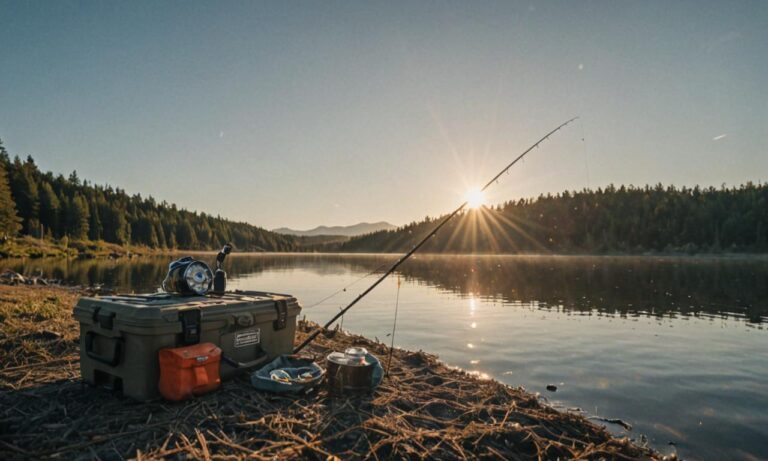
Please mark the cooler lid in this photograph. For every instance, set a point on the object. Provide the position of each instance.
(157, 309)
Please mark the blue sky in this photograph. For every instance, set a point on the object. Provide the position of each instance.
(300, 114)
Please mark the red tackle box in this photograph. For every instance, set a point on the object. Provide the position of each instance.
(188, 371)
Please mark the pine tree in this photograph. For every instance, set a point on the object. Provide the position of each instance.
(161, 241)
(5, 160)
(50, 209)
(10, 223)
(171, 241)
(79, 218)
(116, 226)
(204, 232)
(144, 232)
(185, 235)
(24, 191)
(95, 229)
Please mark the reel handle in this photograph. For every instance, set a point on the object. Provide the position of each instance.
(220, 277)
(227, 249)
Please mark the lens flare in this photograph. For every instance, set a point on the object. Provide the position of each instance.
(475, 198)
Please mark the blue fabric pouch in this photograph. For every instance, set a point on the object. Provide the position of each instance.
(378, 370)
(297, 375)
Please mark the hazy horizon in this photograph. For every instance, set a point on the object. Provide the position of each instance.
(309, 114)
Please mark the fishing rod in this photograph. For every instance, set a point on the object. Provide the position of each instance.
(416, 247)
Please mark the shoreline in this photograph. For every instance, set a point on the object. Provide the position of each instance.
(27, 247)
(424, 409)
(103, 250)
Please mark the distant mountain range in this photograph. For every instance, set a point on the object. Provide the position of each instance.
(347, 231)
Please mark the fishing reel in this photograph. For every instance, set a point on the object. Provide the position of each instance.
(190, 277)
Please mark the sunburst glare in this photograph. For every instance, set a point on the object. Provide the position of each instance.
(475, 198)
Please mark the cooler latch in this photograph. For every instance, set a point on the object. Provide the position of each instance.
(190, 326)
(281, 306)
(104, 319)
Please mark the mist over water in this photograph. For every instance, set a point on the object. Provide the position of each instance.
(677, 347)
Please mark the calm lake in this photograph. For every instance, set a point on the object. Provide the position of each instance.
(677, 347)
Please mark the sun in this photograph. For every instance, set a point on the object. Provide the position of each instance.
(475, 198)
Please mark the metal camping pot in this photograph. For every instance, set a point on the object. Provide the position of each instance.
(349, 372)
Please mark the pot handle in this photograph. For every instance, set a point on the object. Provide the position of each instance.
(261, 359)
(113, 359)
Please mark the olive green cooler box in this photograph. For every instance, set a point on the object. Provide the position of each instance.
(120, 336)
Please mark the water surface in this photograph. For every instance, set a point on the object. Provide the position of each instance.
(675, 346)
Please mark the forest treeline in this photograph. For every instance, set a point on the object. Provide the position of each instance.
(44, 205)
(607, 220)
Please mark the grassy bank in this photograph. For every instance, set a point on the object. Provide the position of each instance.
(423, 410)
(30, 247)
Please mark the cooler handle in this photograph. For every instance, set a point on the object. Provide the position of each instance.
(253, 363)
(116, 350)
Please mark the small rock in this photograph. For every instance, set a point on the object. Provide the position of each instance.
(12, 278)
(551, 388)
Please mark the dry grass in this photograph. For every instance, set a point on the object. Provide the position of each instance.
(423, 410)
(31, 247)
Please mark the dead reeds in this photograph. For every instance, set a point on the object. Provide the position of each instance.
(424, 409)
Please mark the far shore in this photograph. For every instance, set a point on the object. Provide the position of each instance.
(32, 248)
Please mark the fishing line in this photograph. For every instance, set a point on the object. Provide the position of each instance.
(311, 337)
(394, 326)
(343, 289)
